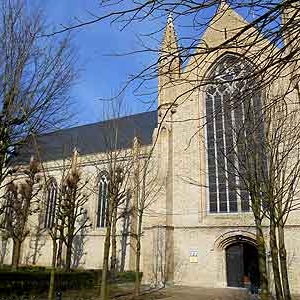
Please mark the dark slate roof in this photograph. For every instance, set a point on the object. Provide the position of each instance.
(93, 138)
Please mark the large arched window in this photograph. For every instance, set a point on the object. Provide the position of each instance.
(102, 200)
(232, 112)
(51, 202)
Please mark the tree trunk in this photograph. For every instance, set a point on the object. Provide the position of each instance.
(113, 263)
(275, 262)
(16, 253)
(4, 243)
(137, 287)
(283, 262)
(59, 252)
(125, 229)
(37, 241)
(35, 251)
(52, 275)
(124, 242)
(51, 293)
(104, 287)
(68, 255)
(262, 261)
(139, 216)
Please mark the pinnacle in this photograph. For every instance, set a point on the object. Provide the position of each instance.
(170, 30)
(169, 42)
(170, 19)
(223, 5)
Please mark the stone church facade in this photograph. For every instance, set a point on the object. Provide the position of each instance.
(197, 231)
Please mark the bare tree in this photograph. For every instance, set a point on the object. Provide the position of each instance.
(37, 240)
(79, 242)
(146, 187)
(132, 188)
(72, 207)
(281, 188)
(36, 74)
(125, 216)
(69, 216)
(118, 167)
(116, 194)
(21, 203)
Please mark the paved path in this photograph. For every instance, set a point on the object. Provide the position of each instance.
(197, 293)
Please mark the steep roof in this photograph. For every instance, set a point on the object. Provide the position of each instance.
(92, 138)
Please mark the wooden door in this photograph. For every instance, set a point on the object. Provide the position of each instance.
(235, 265)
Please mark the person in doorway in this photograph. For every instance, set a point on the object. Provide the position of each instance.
(253, 275)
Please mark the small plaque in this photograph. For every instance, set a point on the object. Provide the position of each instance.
(193, 255)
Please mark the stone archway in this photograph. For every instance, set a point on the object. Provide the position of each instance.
(241, 264)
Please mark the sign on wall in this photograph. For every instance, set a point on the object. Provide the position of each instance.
(193, 255)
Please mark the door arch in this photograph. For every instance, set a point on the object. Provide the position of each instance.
(241, 262)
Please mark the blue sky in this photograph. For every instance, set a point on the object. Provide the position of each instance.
(102, 73)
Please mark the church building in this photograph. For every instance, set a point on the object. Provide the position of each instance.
(198, 227)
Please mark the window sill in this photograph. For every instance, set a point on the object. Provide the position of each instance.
(234, 215)
(98, 230)
(238, 213)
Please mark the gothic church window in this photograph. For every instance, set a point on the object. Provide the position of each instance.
(102, 201)
(231, 112)
(9, 203)
(51, 202)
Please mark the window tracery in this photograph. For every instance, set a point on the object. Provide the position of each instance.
(231, 111)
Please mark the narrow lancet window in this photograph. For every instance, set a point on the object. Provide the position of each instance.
(102, 201)
(51, 202)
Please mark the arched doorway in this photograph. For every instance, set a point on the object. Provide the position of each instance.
(241, 263)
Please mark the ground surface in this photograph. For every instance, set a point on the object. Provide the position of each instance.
(197, 293)
(124, 292)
